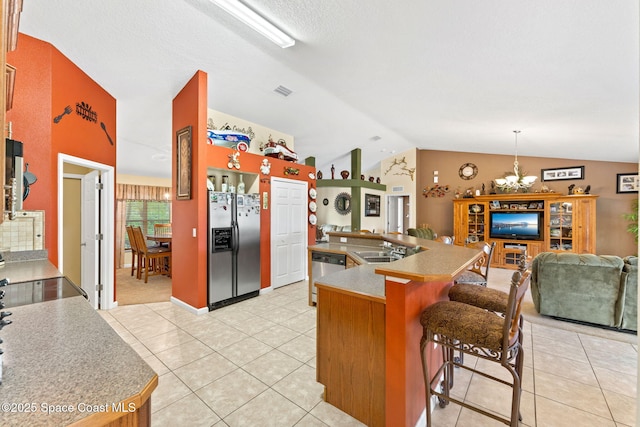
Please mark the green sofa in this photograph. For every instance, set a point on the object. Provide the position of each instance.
(423, 233)
(630, 302)
(600, 289)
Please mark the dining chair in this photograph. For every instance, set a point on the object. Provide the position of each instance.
(162, 229)
(155, 260)
(135, 257)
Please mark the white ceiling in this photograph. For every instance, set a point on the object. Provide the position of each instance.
(455, 75)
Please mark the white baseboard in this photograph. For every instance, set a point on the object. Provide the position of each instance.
(266, 290)
(188, 307)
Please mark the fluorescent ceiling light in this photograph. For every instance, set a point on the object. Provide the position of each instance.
(255, 21)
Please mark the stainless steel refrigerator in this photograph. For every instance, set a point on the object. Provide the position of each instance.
(234, 248)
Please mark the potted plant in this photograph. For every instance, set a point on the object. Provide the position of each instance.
(633, 219)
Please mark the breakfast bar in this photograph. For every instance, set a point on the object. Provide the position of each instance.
(368, 326)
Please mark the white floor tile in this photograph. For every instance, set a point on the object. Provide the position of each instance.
(253, 363)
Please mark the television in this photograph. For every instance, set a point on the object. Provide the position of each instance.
(515, 225)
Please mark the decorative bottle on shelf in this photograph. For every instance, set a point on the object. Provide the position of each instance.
(240, 185)
(225, 183)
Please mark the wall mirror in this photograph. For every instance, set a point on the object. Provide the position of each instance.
(343, 203)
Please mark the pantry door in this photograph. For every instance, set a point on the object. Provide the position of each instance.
(288, 231)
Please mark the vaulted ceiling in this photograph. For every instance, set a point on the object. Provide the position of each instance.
(384, 76)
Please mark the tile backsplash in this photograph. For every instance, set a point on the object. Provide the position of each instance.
(24, 233)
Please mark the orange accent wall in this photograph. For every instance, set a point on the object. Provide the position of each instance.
(189, 254)
(47, 82)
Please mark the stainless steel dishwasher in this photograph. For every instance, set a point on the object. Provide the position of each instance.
(323, 263)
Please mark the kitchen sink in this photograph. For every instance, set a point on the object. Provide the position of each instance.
(365, 254)
(376, 256)
(383, 258)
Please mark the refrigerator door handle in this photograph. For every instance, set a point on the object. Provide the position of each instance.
(236, 238)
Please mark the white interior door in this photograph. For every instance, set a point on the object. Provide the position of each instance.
(90, 229)
(398, 217)
(104, 201)
(288, 231)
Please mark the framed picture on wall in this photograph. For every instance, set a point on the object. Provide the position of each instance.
(183, 181)
(371, 205)
(627, 183)
(557, 174)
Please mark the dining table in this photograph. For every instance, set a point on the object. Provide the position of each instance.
(162, 239)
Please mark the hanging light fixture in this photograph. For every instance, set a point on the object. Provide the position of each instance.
(518, 180)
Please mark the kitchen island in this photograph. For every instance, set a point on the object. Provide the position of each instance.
(63, 364)
(368, 334)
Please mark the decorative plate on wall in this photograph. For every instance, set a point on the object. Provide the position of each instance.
(312, 193)
(313, 219)
(468, 171)
(312, 206)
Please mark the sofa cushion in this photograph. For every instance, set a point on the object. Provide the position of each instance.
(629, 299)
(423, 233)
(581, 287)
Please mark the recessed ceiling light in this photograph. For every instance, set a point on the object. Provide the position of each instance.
(255, 21)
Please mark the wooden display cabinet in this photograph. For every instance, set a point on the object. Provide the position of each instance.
(469, 221)
(571, 224)
(568, 223)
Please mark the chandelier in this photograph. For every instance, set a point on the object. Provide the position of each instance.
(518, 180)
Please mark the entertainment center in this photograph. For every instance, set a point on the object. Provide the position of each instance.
(535, 222)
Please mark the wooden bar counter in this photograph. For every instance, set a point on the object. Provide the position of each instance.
(368, 339)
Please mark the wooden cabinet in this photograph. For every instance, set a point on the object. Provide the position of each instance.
(10, 12)
(470, 220)
(567, 224)
(571, 224)
(351, 353)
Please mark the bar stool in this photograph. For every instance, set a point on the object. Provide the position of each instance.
(454, 325)
(478, 274)
(483, 297)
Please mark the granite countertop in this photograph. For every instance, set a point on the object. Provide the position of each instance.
(62, 356)
(362, 280)
(22, 271)
(437, 262)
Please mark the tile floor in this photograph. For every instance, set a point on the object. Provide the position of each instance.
(253, 364)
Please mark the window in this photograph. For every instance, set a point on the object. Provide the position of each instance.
(146, 213)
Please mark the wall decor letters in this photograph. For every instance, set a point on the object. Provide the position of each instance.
(84, 110)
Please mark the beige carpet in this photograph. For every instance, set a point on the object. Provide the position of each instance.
(501, 278)
(130, 290)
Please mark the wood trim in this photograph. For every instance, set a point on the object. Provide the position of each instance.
(14, 8)
(374, 298)
(10, 81)
(141, 416)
